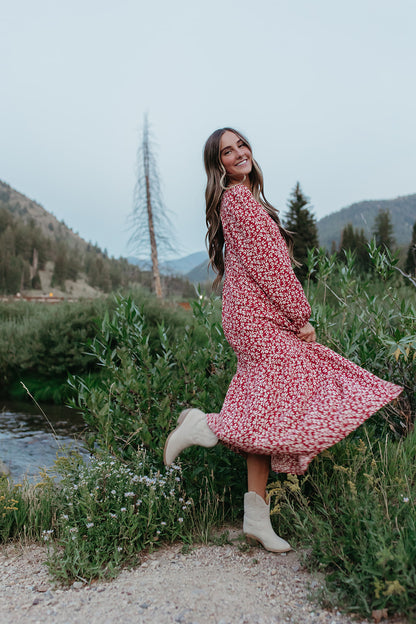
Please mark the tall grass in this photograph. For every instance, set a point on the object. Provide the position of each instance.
(356, 512)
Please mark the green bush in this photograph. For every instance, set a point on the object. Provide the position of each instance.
(110, 512)
(41, 344)
(145, 384)
(356, 512)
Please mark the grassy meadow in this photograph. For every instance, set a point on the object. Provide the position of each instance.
(354, 512)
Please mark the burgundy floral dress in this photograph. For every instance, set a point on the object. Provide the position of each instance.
(289, 398)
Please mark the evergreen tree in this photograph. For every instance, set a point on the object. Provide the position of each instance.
(301, 222)
(411, 254)
(355, 240)
(60, 272)
(383, 230)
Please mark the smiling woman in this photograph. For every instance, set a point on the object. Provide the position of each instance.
(291, 397)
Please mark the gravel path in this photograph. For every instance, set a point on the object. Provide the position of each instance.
(208, 584)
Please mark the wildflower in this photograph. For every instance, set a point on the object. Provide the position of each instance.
(405, 499)
(73, 530)
(129, 494)
(394, 588)
(180, 519)
(184, 507)
(163, 523)
(123, 509)
(177, 478)
(353, 488)
(90, 525)
(113, 492)
(158, 532)
(119, 548)
(65, 517)
(139, 502)
(181, 500)
(112, 515)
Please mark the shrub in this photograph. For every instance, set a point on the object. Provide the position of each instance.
(143, 387)
(356, 512)
(110, 512)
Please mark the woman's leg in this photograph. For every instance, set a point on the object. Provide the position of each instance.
(258, 469)
(256, 522)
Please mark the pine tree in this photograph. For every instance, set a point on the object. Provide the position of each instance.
(355, 240)
(151, 228)
(411, 254)
(383, 230)
(301, 222)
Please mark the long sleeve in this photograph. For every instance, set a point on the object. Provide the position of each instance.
(256, 241)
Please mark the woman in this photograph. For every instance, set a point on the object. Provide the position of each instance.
(291, 397)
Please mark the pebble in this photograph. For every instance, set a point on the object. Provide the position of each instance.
(209, 585)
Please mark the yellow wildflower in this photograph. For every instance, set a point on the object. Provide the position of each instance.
(393, 588)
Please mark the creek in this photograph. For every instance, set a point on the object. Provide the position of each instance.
(27, 441)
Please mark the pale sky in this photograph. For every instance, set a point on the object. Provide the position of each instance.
(325, 91)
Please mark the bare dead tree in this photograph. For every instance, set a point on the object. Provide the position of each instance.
(152, 229)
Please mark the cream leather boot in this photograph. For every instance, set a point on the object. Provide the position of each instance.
(257, 524)
(192, 429)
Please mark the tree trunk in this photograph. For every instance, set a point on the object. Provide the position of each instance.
(153, 246)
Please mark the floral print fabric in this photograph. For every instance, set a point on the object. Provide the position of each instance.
(289, 399)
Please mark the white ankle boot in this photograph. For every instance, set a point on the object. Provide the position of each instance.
(257, 523)
(192, 429)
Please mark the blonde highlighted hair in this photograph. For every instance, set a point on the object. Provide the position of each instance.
(217, 183)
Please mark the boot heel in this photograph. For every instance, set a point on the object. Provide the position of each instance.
(253, 541)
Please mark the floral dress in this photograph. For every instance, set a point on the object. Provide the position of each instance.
(289, 399)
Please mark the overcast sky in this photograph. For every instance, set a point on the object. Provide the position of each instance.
(324, 90)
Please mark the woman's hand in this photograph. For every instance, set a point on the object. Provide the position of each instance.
(307, 333)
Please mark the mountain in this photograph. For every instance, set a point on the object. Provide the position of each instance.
(42, 257)
(178, 266)
(201, 273)
(186, 264)
(30, 211)
(362, 215)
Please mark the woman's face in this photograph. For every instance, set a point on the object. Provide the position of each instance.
(236, 156)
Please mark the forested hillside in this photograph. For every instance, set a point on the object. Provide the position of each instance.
(37, 253)
(362, 215)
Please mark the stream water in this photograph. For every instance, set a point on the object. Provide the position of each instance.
(27, 441)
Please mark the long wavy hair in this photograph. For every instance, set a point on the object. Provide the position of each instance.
(217, 183)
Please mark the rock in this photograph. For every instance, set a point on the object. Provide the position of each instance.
(4, 470)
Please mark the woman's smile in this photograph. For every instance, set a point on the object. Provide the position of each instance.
(235, 156)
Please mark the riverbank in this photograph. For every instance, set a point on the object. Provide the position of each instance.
(208, 584)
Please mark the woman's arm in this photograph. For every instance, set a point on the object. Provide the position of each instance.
(261, 249)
